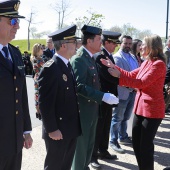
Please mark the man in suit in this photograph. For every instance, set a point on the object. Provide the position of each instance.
(27, 63)
(121, 114)
(15, 123)
(58, 102)
(167, 52)
(49, 51)
(89, 94)
(108, 84)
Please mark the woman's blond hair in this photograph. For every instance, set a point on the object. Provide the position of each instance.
(154, 47)
(35, 49)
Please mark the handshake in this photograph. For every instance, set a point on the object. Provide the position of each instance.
(110, 99)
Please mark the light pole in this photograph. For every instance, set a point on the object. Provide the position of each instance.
(167, 19)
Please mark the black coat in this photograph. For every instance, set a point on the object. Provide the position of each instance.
(58, 99)
(14, 112)
(47, 54)
(108, 82)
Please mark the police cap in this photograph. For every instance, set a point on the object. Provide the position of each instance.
(86, 29)
(9, 8)
(64, 33)
(111, 36)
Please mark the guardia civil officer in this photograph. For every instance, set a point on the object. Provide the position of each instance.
(89, 94)
(58, 102)
(15, 124)
(108, 84)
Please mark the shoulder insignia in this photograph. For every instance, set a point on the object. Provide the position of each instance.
(48, 63)
(79, 53)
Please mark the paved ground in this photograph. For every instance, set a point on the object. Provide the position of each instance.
(33, 158)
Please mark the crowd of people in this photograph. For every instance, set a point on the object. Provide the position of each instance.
(84, 94)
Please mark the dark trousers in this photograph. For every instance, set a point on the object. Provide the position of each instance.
(59, 154)
(12, 162)
(143, 133)
(102, 130)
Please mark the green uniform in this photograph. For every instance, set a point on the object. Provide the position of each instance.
(89, 98)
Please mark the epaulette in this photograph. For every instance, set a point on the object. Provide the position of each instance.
(79, 53)
(48, 63)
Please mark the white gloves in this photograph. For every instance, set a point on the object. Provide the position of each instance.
(110, 99)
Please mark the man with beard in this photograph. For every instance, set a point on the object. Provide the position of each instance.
(121, 114)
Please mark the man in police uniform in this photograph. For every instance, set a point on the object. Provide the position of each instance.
(89, 94)
(15, 124)
(58, 102)
(108, 84)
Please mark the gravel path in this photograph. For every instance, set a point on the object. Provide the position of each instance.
(33, 158)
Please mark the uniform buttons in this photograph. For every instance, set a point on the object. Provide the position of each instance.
(88, 100)
(15, 77)
(79, 111)
(94, 74)
(107, 91)
(60, 118)
(16, 112)
(67, 88)
(95, 102)
(16, 101)
(16, 89)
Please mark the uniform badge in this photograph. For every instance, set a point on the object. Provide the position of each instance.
(64, 77)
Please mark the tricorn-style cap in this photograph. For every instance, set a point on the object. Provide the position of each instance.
(111, 36)
(9, 8)
(86, 29)
(64, 33)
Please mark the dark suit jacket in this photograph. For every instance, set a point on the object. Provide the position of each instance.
(14, 112)
(108, 82)
(47, 54)
(58, 100)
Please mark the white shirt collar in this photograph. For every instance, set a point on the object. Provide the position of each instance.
(1, 46)
(63, 59)
(91, 55)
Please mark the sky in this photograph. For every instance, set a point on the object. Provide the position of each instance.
(142, 14)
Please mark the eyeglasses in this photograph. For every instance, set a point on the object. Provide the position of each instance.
(14, 21)
(74, 42)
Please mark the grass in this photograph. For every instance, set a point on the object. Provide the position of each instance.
(23, 44)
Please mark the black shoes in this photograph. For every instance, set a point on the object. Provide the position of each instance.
(106, 155)
(116, 147)
(95, 164)
(167, 168)
(127, 141)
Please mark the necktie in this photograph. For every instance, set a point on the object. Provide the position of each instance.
(5, 50)
(69, 67)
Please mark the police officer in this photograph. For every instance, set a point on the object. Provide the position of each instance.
(108, 84)
(15, 124)
(58, 102)
(89, 94)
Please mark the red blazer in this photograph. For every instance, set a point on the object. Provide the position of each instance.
(148, 80)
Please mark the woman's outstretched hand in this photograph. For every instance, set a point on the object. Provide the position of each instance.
(107, 62)
(112, 70)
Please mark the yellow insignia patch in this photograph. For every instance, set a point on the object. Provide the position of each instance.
(16, 6)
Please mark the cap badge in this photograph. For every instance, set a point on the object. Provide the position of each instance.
(16, 6)
(64, 77)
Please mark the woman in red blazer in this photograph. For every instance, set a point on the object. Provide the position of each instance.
(149, 107)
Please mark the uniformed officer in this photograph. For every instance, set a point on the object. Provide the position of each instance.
(89, 94)
(15, 124)
(108, 84)
(58, 102)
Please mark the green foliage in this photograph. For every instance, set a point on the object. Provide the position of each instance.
(23, 44)
(92, 19)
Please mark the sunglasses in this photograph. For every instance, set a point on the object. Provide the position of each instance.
(14, 21)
